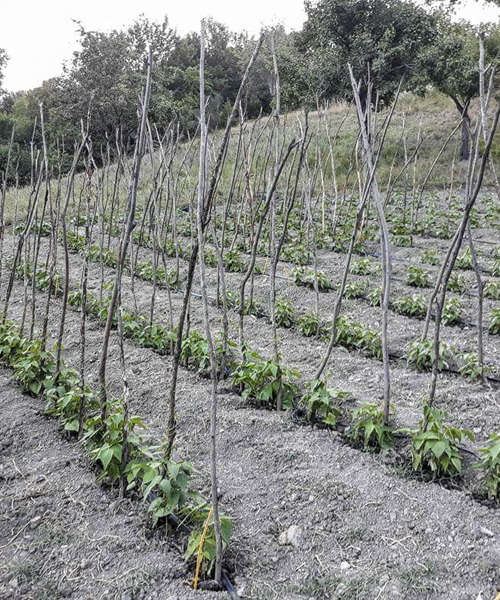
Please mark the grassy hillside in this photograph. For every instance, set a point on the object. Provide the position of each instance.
(430, 119)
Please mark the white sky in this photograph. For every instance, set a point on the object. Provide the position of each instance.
(39, 35)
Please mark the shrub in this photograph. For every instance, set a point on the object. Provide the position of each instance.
(490, 463)
(355, 289)
(435, 445)
(309, 324)
(298, 254)
(105, 441)
(492, 290)
(32, 366)
(375, 297)
(411, 306)
(197, 516)
(443, 231)
(429, 256)
(471, 368)
(495, 271)
(358, 337)
(66, 407)
(305, 277)
(495, 321)
(403, 240)
(421, 355)
(284, 313)
(457, 283)
(362, 266)
(367, 425)
(151, 472)
(417, 277)
(233, 262)
(210, 257)
(452, 312)
(263, 380)
(320, 402)
(464, 260)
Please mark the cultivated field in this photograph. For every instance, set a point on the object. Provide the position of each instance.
(333, 485)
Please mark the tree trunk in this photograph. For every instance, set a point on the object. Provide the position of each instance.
(465, 150)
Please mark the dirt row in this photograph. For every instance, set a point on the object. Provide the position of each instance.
(61, 534)
(470, 404)
(364, 528)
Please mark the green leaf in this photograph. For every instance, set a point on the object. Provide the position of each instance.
(105, 456)
(438, 448)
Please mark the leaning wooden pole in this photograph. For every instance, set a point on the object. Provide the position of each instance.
(127, 231)
(212, 188)
(206, 318)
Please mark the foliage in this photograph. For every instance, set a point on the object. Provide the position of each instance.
(233, 262)
(3, 62)
(362, 266)
(490, 463)
(32, 365)
(250, 307)
(429, 256)
(417, 277)
(451, 62)
(495, 321)
(457, 283)
(452, 312)
(464, 260)
(321, 402)
(492, 290)
(355, 289)
(106, 74)
(375, 297)
(367, 426)
(306, 277)
(67, 406)
(162, 482)
(411, 306)
(442, 231)
(421, 355)
(197, 515)
(114, 442)
(263, 380)
(106, 440)
(382, 38)
(404, 241)
(298, 254)
(471, 368)
(495, 271)
(435, 445)
(285, 313)
(145, 270)
(210, 257)
(43, 277)
(359, 337)
(194, 350)
(309, 324)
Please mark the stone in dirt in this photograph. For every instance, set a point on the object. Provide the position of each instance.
(291, 537)
(486, 531)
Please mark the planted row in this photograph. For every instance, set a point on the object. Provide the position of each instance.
(119, 445)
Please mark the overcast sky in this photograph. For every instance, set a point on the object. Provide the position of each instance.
(39, 35)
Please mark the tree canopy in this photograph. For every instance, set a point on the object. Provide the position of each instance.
(385, 42)
(382, 38)
(3, 62)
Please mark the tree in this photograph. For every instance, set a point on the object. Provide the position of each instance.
(3, 62)
(451, 65)
(382, 38)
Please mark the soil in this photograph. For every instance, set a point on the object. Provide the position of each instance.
(364, 528)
